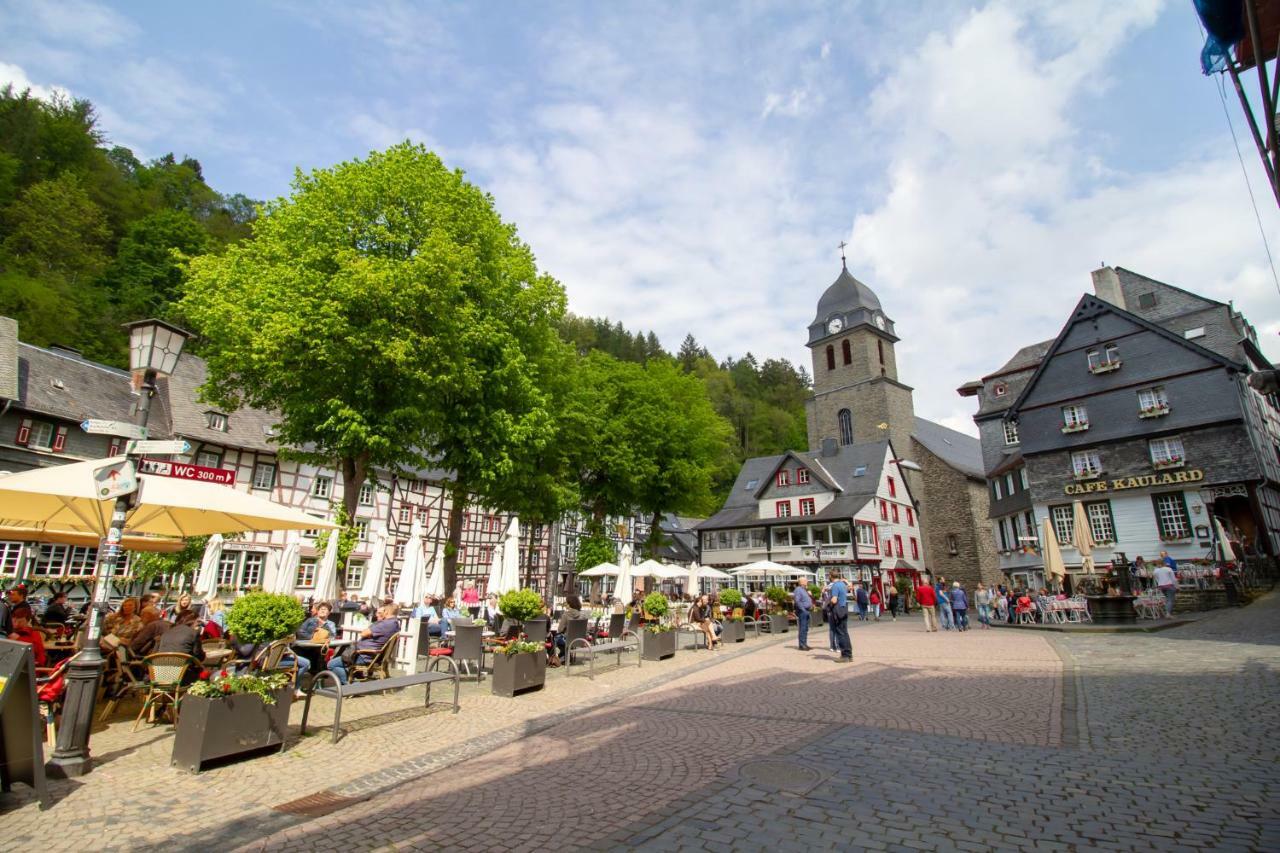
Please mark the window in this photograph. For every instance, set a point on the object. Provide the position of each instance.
(1147, 300)
(782, 509)
(216, 420)
(306, 573)
(1104, 359)
(1152, 402)
(880, 352)
(495, 524)
(1086, 464)
(1101, 523)
(884, 510)
(1030, 520)
(1063, 523)
(953, 544)
(366, 494)
(750, 486)
(251, 573)
(10, 558)
(845, 353)
(1008, 483)
(209, 459)
(784, 478)
(846, 426)
(1167, 452)
(911, 518)
(424, 515)
(1002, 534)
(999, 389)
(802, 476)
(1010, 432)
(361, 527)
(228, 562)
(1022, 475)
(807, 506)
(724, 539)
(406, 515)
(831, 357)
(322, 487)
(1192, 334)
(312, 533)
(354, 576)
(997, 491)
(41, 436)
(888, 548)
(264, 475)
(867, 536)
(1074, 418)
(895, 513)
(1171, 516)
(81, 562)
(897, 542)
(893, 488)
(915, 549)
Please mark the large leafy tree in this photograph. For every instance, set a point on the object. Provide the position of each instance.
(394, 320)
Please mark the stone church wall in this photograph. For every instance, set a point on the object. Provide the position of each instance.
(953, 505)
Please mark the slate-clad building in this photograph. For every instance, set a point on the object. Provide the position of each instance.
(1141, 411)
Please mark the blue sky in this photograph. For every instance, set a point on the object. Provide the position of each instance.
(691, 167)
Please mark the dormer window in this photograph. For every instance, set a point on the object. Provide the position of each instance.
(1105, 359)
(216, 420)
(802, 476)
(784, 478)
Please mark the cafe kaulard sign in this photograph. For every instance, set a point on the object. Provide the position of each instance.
(1169, 478)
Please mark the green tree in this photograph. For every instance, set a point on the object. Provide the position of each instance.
(147, 566)
(393, 319)
(146, 274)
(55, 229)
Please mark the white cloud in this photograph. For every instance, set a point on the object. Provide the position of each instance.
(15, 76)
(77, 22)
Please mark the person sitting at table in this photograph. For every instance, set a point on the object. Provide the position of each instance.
(700, 615)
(20, 630)
(56, 613)
(449, 613)
(125, 622)
(572, 610)
(491, 614)
(471, 598)
(318, 621)
(371, 640)
(425, 609)
(11, 599)
(183, 605)
(215, 625)
(145, 641)
(183, 637)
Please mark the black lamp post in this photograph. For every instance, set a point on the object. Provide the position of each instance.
(154, 349)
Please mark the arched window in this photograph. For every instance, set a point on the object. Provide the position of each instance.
(846, 426)
(831, 357)
(845, 351)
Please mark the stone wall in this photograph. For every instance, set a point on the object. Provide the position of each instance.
(953, 504)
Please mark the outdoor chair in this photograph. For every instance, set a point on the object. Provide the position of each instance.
(376, 666)
(617, 622)
(468, 646)
(575, 629)
(126, 676)
(536, 630)
(51, 689)
(165, 671)
(278, 655)
(1025, 615)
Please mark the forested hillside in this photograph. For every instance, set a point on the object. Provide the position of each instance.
(90, 236)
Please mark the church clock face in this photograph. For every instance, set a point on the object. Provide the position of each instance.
(834, 325)
(880, 321)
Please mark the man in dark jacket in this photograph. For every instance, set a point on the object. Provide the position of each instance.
(184, 637)
(145, 641)
(56, 612)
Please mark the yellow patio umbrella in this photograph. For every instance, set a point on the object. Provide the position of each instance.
(1054, 569)
(1082, 536)
(65, 498)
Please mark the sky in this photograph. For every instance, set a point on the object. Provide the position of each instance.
(692, 168)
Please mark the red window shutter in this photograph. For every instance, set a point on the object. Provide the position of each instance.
(895, 513)
(115, 447)
(897, 540)
(915, 549)
(59, 439)
(884, 511)
(893, 488)
(24, 432)
(910, 517)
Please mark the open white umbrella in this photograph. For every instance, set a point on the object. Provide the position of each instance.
(622, 586)
(287, 567)
(510, 579)
(327, 572)
(372, 586)
(66, 497)
(435, 580)
(654, 569)
(206, 585)
(764, 568)
(409, 586)
(698, 573)
(601, 571)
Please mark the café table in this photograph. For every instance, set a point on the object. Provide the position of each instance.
(214, 657)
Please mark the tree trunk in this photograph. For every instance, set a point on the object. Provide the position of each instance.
(355, 470)
(655, 536)
(458, 506)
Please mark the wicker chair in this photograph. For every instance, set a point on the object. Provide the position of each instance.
(376, 666)
(272, 658)
(165, 671)
(126, 675)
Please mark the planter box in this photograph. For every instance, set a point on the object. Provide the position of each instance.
(778, 623)
(234, 725)
(514, 674)
(733, 632)
(657, 646)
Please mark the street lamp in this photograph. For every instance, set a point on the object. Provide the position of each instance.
(154, 349)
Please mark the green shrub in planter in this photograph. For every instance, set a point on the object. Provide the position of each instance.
(263, 617)
(731, 598)
(656, 605)
(777, 597)
(520, 605)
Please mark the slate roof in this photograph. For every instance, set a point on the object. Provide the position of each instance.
(88, 389)
(683, 544)
(8, 358)
(960, 451)
(247, 428)
(1024, 359)
(741, 508)
(845, 294)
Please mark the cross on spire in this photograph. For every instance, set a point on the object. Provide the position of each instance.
(842, 260)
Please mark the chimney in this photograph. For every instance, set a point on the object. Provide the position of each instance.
(1106, 286)
(829, 447)
(8, 358)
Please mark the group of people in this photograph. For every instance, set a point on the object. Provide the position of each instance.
(947, 607)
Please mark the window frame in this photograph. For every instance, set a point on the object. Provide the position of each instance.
(915, 548)
(1184, 516)
(1010, 433)
(844, 418)
(782, 478)
(256, 481)
(1157, 403)
(1075, 417)
(779, 506)
(1097, 521)
(322, 486)
(203, 455)
(260, 558)
(808, 506)
(1063, 520)
(366, 491)
(1090, 471)
(305, 576)
(1173, 454)
(35, 428)
(893, 487)
(802, 476)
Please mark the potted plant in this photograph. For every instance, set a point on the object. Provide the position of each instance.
(732, 629)
(657, 640)
(225, 714)
(520, 605)
(778, 599)
(519, 666)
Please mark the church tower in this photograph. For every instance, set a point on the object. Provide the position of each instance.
(857, 397)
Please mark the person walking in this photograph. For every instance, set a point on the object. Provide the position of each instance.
(875, 603)
(944, 603)
(927, 600)
(826, 600)
(840, 617)
(804, 606)
(1165, 577)
(893, 603)
(860, 598)
(982, 598)
(959, 607)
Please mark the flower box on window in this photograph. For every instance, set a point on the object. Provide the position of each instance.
(1076, 427)
(1154, 411)
(1172, 462)
(1086, 475)
(1175, 537)
(1104, 367)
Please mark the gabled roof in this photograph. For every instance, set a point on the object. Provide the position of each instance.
(821, 474)
(1024, 359)
(1091, 306)
(960, 451)
(741, 508)
(247, 428)
(64, 385)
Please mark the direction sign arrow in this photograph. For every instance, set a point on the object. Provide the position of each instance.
(112, 481)
(158, 447)
(120, 428)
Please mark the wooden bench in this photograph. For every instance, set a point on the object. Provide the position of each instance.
(618, 646)
(340, 691)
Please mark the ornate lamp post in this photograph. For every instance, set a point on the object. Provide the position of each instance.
(154, 349)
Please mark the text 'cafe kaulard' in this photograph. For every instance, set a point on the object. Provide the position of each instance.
(1169, 478)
